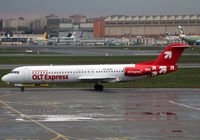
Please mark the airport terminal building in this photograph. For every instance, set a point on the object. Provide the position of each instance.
(131, 26)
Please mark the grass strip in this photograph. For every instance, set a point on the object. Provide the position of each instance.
(87, 59)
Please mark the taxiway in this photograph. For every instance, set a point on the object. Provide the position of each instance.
(115, 114)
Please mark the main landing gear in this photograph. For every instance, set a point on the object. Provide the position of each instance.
(22, 89)
(98, 87)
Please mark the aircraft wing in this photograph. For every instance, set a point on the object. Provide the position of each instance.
(99, 79)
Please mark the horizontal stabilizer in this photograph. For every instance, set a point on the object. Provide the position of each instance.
(182, 46)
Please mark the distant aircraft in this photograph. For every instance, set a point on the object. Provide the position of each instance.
(42, 41)
(44, 37)
(192, 40)
(81, 35)
(71, 35)
(171, 38)
(97, 74)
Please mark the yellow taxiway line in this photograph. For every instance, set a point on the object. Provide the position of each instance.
(38, 123)
(10, 94)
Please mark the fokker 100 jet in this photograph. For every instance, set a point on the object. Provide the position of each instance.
(97, 74)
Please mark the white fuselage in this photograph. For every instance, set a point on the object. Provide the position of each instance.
(70, 73)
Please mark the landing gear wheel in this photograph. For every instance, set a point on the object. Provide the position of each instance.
(22, 89)
(98, 87)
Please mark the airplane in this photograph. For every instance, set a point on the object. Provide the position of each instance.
(43, 40)
(171, 38)
(96, 74)
(71, 35)
(67, 40)
(81, 35)
(190, 39)
(44, 37)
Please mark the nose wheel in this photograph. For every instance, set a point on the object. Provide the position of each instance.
(98, 87)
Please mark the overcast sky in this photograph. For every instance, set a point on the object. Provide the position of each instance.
(92, 8)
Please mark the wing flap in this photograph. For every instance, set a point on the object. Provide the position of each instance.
(99, 79)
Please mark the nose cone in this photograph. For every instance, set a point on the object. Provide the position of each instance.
(5, 78)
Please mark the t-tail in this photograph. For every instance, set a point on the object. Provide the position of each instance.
(165, 63)
(73, 35)
(181, 30)
(170, 55)
(81, 35)
(44, 36)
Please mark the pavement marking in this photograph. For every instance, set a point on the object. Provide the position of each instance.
(91, 122)
(47, 103)
(10, 94)
(38, 123)
(21, 139)
(187, 106)
(57, 137)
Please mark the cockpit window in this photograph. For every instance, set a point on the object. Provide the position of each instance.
(14, 72)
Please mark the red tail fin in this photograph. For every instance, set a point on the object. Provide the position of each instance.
(170, 55)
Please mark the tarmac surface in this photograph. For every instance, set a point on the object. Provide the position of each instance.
(82, 51)
(114, 114)
(87, 52)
